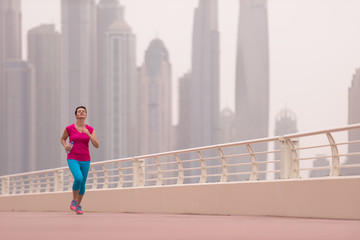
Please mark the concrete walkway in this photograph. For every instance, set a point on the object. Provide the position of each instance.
(127, 226)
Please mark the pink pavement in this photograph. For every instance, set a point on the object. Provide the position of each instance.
(131, 226)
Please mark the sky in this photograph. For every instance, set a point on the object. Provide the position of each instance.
(314, 48)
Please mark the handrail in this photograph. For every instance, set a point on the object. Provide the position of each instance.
(228, 162)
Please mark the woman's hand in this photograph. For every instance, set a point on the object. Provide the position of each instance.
(85, 130)
(67, 148)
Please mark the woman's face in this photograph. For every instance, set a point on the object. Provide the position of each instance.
(81, 113)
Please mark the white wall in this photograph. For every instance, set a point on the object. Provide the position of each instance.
(315, 198)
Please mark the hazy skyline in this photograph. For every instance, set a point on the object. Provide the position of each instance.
(314, 49)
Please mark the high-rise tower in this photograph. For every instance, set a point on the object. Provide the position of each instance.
(199, 89)
(2, 82)
(252, 71)
(11, 24)
(204, 84)
(78, 58)
(183, 129)
(19, 133)
(10, 50)
(354, 117)
(155, 100)
(44, 55)
(252, 74)
(109, 11)
(121, 85)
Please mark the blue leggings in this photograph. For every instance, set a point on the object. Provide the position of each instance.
(80, 171)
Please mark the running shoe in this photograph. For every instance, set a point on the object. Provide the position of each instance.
(79, 210)
(73, 205)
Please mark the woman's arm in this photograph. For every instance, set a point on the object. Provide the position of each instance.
(63, 141)
(92, 137)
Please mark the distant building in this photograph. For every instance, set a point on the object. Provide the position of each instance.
(204, 84)
(252, 71)
(183, 132)
(10, 49)
(354, 117)
(121, 86)
(252, 75)
(200, 88)
(318, 163)
(10, 15)
(286, 123)
(44, 55)
(78, 59)
(155, 100)
(19, 133)
(2, 85)
(108, 11)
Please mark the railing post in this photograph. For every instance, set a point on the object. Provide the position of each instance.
(38, 183)
(180, 170)
(288, 158)
(5, 189)
(138, 172)
(106, 177)
(31, 184)
(335, 160)
(22, 184)
(12, 189)
(121, 177)
(47, 182)
(224, 166)
(254, 165)
(203, 168)
(159, 172)
(58, 183)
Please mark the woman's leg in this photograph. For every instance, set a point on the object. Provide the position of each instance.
(75, 169)
(84, 167)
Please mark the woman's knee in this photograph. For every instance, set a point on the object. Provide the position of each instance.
(78, 180)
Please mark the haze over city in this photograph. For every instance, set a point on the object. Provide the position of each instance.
(161, 75)
(314, 49)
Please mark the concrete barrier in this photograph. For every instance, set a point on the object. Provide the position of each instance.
(337, 198)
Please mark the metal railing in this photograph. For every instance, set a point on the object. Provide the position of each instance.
(231, 162)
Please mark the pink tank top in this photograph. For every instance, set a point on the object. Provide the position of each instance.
(80, 149)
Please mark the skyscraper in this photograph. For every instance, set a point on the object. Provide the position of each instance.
(121, 85)
(11, 11)
(252, 74)
(20, 136)
(78, 58)
(354, 117)
(199, 89)
(44, 55)
(183, 131)
(10, 49)
(2, 84)
(109, 11)
(155, 122)
(252, 71)
(286, 123)
(204, 84)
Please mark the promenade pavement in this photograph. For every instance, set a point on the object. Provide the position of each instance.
(131, 226)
